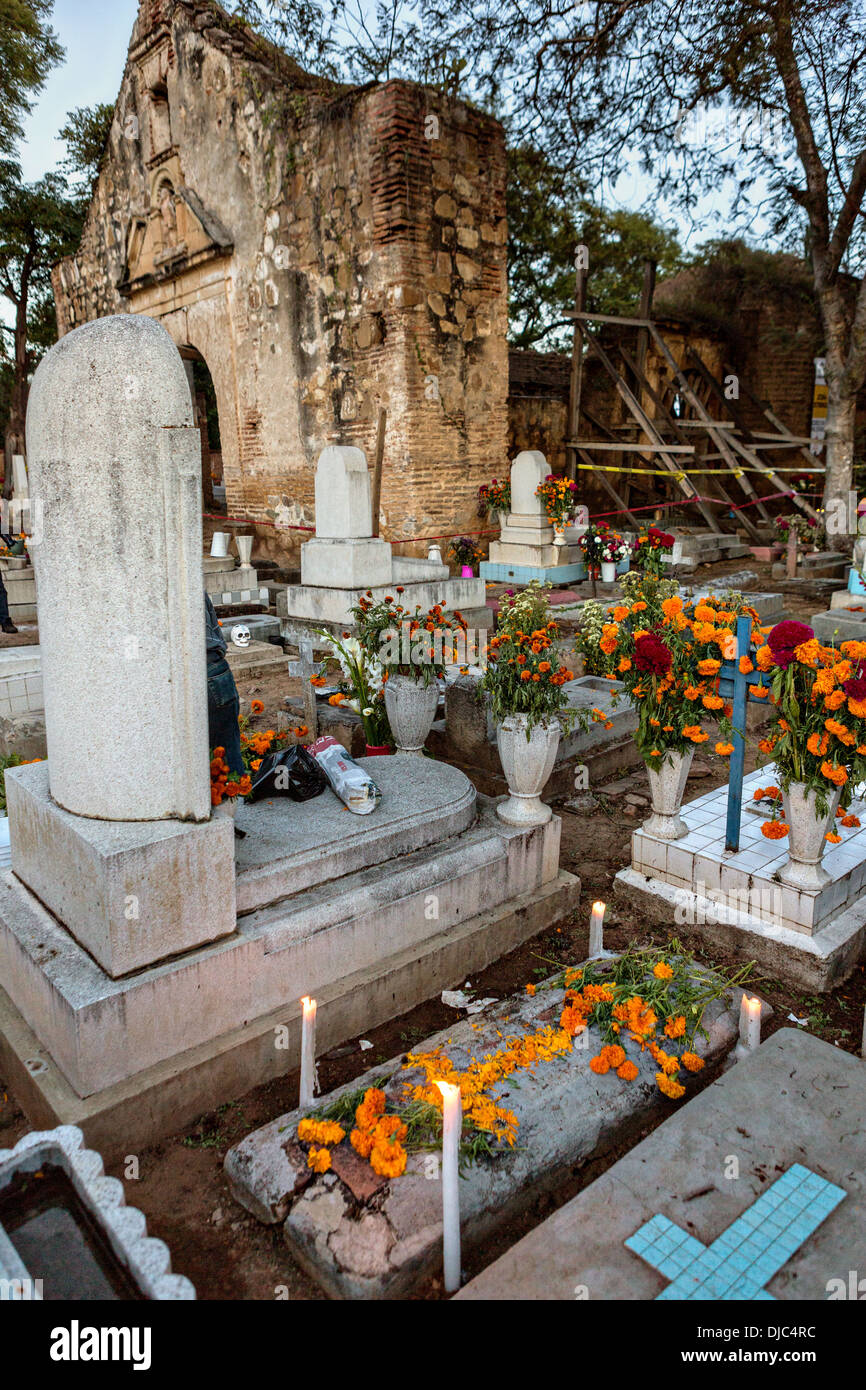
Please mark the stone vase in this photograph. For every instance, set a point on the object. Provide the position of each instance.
(806, 831)
(411, 707)
(667, 785)
(608, 572)
(219, 547)
(559, 533)
(244, 546)
(527, 765)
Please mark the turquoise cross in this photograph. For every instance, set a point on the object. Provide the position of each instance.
(745, 1257)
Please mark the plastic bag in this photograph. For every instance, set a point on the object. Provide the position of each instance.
(355, 787)
(290, 772)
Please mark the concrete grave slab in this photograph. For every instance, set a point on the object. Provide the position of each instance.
(790, 1105)
(566, 1114)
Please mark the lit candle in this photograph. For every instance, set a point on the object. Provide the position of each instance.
(596, 930)
(308, 1052)
(750, 1023)
(452, 1121)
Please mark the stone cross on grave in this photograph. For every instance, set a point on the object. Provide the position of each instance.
(746, 1256)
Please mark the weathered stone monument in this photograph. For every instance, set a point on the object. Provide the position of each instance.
(151, 968)
(345, 559)
(525, 549)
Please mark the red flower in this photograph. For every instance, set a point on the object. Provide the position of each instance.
(784, 638)
(660, 539)
(651, 654)
(855, 688)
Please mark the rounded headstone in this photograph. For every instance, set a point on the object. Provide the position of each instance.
(115, 477)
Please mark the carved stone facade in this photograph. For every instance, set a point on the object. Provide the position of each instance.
(326, 250)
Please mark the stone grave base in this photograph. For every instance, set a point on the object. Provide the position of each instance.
(841, 623)
(811, 939)
(302, 608)
(781, 1107)
(509, 571)
(20, 592)
(703, 547)
(370, 914)
(358, 1249)
(256, 657)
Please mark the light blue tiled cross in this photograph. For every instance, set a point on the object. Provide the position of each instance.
(745, 1257)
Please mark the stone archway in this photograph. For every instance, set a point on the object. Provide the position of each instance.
(206, 416)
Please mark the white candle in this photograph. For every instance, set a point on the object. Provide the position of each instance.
(308, 1052)
(596, 930)
(863, 1048)
(750, 1022)
(452, 1122)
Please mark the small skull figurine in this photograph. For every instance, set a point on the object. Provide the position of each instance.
(241, 635)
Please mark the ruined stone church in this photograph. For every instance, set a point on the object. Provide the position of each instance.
(323, 250)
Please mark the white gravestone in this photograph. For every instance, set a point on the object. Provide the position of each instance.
(115, 460)
(114, 834)
(344, 554)
(526, 537)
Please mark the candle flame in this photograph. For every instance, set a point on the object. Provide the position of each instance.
(448, 1089)
(308, 1003)
(600, 908)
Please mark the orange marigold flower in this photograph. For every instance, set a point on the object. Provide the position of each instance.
(256, 706)
(774, 830)
(760, 692)
(319, 1160)
(600, 1065)
(817, 744)
(530, 990)
(668, 1087)
(724, 750)
(627, 1072)
(692, 1062)
(746, 665)
(318, 680)
(833, 838)
(766, 745)
(857, 708)
(712, 702)
(663, 971)
(675, 1027)
(850, 822)
(620, 612)
(709, 666)
(624, 664)
(837, 775)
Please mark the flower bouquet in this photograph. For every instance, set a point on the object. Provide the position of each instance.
(524, 680)
(614, 551)
(669, 657)
(650, 551)
(817, 740)
(412, 651)
(592, 543)
(494, 497)
(559, 496)
(465, 553)
(364, 687)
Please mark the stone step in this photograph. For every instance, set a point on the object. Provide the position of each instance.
(291, 846)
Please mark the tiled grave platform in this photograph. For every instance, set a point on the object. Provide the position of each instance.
(784, 1114)
(813, 938)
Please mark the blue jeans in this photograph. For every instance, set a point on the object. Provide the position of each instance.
(223, 708)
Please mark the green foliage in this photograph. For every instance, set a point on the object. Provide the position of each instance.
(549, 216)
(85, 132)
(29, 49)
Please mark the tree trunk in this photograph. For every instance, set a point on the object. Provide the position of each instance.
(839, 463)
(14, 441)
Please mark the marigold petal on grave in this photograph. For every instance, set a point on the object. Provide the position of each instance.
(627, 1072)
(692, 1062)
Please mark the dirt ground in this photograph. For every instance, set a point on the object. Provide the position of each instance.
(181, 1189)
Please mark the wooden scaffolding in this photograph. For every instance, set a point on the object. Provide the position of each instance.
(692, 432)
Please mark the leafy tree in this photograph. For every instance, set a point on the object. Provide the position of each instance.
(549, 215)
(39, 224)
(85, 132)
(29, 49)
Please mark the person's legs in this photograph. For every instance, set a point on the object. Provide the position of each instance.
(6, 623)
(223, 707)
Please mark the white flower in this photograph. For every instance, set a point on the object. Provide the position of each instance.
(368, 710)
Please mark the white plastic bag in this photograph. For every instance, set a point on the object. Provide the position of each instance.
(355, 787)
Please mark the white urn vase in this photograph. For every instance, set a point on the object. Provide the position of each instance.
(559, 533)
(806, 832)
(411, 707)
(527, 764)
(667, 785)
(244, 546)
(219, 546)
(608, 572)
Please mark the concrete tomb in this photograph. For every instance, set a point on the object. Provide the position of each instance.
(345, 559)
(525, 549)
(150, 969)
